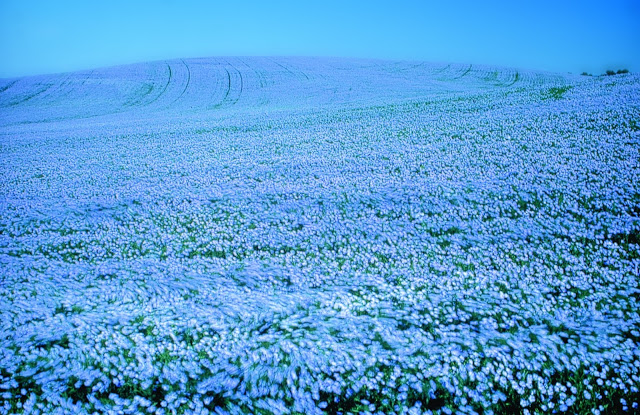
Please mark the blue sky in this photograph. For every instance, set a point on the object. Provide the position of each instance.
(566, 36)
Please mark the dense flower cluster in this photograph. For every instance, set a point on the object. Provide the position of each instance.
(319, 236)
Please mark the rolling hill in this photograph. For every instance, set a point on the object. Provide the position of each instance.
(315, 235)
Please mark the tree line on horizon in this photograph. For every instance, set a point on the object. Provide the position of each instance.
(609, 72)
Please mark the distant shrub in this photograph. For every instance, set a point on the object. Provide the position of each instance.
(586, 74)
(618, 72)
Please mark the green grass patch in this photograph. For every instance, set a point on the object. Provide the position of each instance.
(557, 92)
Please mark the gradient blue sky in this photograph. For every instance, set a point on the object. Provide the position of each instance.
(566, 36)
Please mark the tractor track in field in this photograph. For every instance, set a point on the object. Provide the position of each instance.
(241, 85)
(289, 70)
(261, 78)
(227, 100)
(59, 91)
(516, 78)
(137, 98)
(7, 86)
(464, 73)
(186, 86)
(23, 100)
(441, 70)
(4, 89)
(71, 87)
(226, 94)
(166, 85)
(84, 81)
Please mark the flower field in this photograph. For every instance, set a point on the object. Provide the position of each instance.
(308, 236)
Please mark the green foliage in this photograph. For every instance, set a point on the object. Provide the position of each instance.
(618, 72)
(165, 357)
(557, 92)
